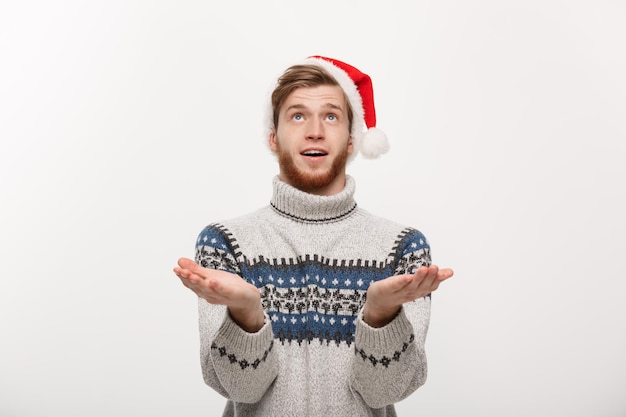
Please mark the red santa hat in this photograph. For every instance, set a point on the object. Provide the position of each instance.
(367, 139)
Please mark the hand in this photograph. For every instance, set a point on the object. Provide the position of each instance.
(385, 297)
(220, 287)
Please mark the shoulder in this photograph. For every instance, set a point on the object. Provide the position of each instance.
(406, 242)
(215, 234)
(221, 233)
(412, 240)
(404, 232)
(412, 251)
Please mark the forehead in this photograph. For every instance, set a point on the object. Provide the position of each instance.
(316, 97)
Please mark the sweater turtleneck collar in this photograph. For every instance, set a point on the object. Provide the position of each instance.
(310, 208)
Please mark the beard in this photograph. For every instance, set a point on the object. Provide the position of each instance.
(311, 180)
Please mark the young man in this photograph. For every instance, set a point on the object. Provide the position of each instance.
(312, 306)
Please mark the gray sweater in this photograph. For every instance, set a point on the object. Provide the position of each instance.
(313, 258)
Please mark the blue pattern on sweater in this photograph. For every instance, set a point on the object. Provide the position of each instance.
(311, 297)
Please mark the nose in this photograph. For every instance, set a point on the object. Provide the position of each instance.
(315, 129)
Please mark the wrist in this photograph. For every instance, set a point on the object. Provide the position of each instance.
(378, 318)
(250, 317)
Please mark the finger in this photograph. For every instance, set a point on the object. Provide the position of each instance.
(430, 282)
(186, 263)
(425, 274)
(196, 279)
(444, 274)
(202, 288)
(187, 283)
(424, 270)
(416, 279)
(187, 277)
(193, 267)
(398, 282)
(440, 275)
(424, 280)
(185, 280)
(182, 273)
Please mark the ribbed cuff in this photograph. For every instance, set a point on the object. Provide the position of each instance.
(231, 334)
(395, 333)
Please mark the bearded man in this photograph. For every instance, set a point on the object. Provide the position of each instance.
(312, 306)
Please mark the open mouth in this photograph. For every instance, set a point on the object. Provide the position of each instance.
(314, 153)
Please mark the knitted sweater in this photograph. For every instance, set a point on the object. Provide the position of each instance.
(313, 258)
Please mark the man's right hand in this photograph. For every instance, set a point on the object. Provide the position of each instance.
(220, 287)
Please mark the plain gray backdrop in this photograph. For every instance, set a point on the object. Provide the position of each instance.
(127, 126)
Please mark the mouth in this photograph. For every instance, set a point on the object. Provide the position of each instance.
(314, 153)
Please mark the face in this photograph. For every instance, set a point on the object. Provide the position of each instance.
(313, 139)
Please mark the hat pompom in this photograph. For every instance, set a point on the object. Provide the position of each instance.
(374, 143)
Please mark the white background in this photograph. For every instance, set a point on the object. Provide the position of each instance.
(127, 126)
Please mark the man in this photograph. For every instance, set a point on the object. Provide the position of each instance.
(312, 306)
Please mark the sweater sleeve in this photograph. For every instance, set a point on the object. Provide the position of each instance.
(390, 362)
(239, 365)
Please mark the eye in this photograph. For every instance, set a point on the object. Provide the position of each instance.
(297, 117)
(331, 117)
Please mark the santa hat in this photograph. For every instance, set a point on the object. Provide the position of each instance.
(366, 137)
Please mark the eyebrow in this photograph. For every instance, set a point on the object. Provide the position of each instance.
(325, 106)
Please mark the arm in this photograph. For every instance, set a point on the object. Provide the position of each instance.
(235, 337)
(390, 361)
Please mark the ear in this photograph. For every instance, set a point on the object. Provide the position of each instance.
(272, 140)
(350, 145)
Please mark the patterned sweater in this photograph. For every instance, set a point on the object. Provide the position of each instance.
(313, 258)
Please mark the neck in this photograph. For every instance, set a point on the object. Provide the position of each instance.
(307, 207)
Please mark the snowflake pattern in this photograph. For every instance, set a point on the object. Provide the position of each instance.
(216, 259)
(243, 363)
(409, 263)
(384, 360)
